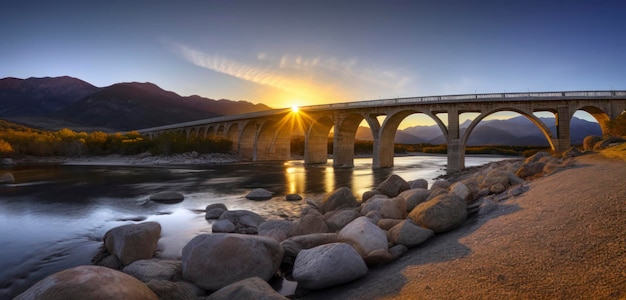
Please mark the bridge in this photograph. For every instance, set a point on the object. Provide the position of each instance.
(266, 135)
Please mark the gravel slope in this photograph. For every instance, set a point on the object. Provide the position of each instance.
(565, 238)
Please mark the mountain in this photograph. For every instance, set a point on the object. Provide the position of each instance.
(40, 96)
(58, 102)
(517, 131)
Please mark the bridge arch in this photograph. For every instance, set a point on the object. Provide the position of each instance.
(388, 130)
(247, 139)
(597, 113)
(232, 134)
(529, 115)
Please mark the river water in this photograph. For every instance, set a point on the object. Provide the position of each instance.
(54, 216)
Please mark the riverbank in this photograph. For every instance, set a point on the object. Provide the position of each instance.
(562, 239)
(145, 159)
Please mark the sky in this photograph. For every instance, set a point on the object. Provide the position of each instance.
(284, 53)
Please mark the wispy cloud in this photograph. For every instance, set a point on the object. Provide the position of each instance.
(295, 73)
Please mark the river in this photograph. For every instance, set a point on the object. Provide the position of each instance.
(54, 216)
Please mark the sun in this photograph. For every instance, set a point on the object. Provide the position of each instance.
(295, 108)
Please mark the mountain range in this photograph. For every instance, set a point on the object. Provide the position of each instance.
(516, 131)
(57, 102)
(53, 103)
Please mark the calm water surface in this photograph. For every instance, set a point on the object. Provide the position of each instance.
(55, 216)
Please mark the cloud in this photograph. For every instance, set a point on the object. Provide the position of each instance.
(296, 74)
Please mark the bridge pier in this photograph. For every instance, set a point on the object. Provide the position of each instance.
(562, 141)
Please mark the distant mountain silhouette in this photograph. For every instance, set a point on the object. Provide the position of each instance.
(40, 96)
(517, 131)
(57, 102)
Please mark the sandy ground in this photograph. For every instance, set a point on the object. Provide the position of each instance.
(565, 238)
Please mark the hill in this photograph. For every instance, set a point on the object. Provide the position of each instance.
(53, 103)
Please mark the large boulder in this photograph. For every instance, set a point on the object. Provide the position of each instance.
(245, 221)
(157, 269)
(414, 197)
(531, 170)
(328, 265)
(276, 229)
(409, 234)
(133, 242)
(418, 184)
(364, 236)
(223, 226)
(167, 197)
(536, 157)
(443, 213)
(88, 282)
(259, 195)
(341, 198)
(440, 184)
(294, 245)
(337, 219)
(572, 152)
(388, 208)
(249, 288)
(311, 221)
(393, 186)
(169, 290)
(215, 210)
(213, 261)
(590, 141)
(603, 144)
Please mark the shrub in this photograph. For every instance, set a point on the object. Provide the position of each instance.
(617, 127)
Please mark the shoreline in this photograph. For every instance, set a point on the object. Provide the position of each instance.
(563, 238)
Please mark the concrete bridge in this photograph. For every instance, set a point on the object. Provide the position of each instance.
(267, 135)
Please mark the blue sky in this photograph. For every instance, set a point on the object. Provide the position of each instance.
(311, 52)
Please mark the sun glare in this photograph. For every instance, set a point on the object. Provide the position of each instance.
(295, 108)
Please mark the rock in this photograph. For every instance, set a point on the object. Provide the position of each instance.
(215, 210)
(328, 265)
(249, 288)
(276, 229)
(293, 197)
(157, 269)
(461, 190)
(590, 141)
(378, 257)
(536, 157)
(418, 184)
(337, 219)
(414, 197)
(497, 188)
(409, 234)
(364, 236)
(514, 179)
(259, 195)
(388, 208)
(294, 245)
(133, 242)
(88, 282)
(7, 178)
(374, 216)
(603, 144)
(245, 221)
(571, 152)
(436, 192)
(110, 261)
(168, 290)
(487, 206)
(441, 184)
(531, 170)
(393, 186)
(223, 226)
(386, 224)
(6, 161)
(397, 251)
(167, 197)
(495, 177)
(311, 221)
(369, 194)
(443, 213)
(341, 198)
(213, 261)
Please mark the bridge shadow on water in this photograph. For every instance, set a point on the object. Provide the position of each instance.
(389, 280)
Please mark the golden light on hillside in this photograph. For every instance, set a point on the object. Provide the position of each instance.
(295, 108)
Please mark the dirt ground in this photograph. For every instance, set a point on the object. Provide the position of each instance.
(565, 238)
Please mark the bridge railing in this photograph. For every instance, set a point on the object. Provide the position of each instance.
(467, 97)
